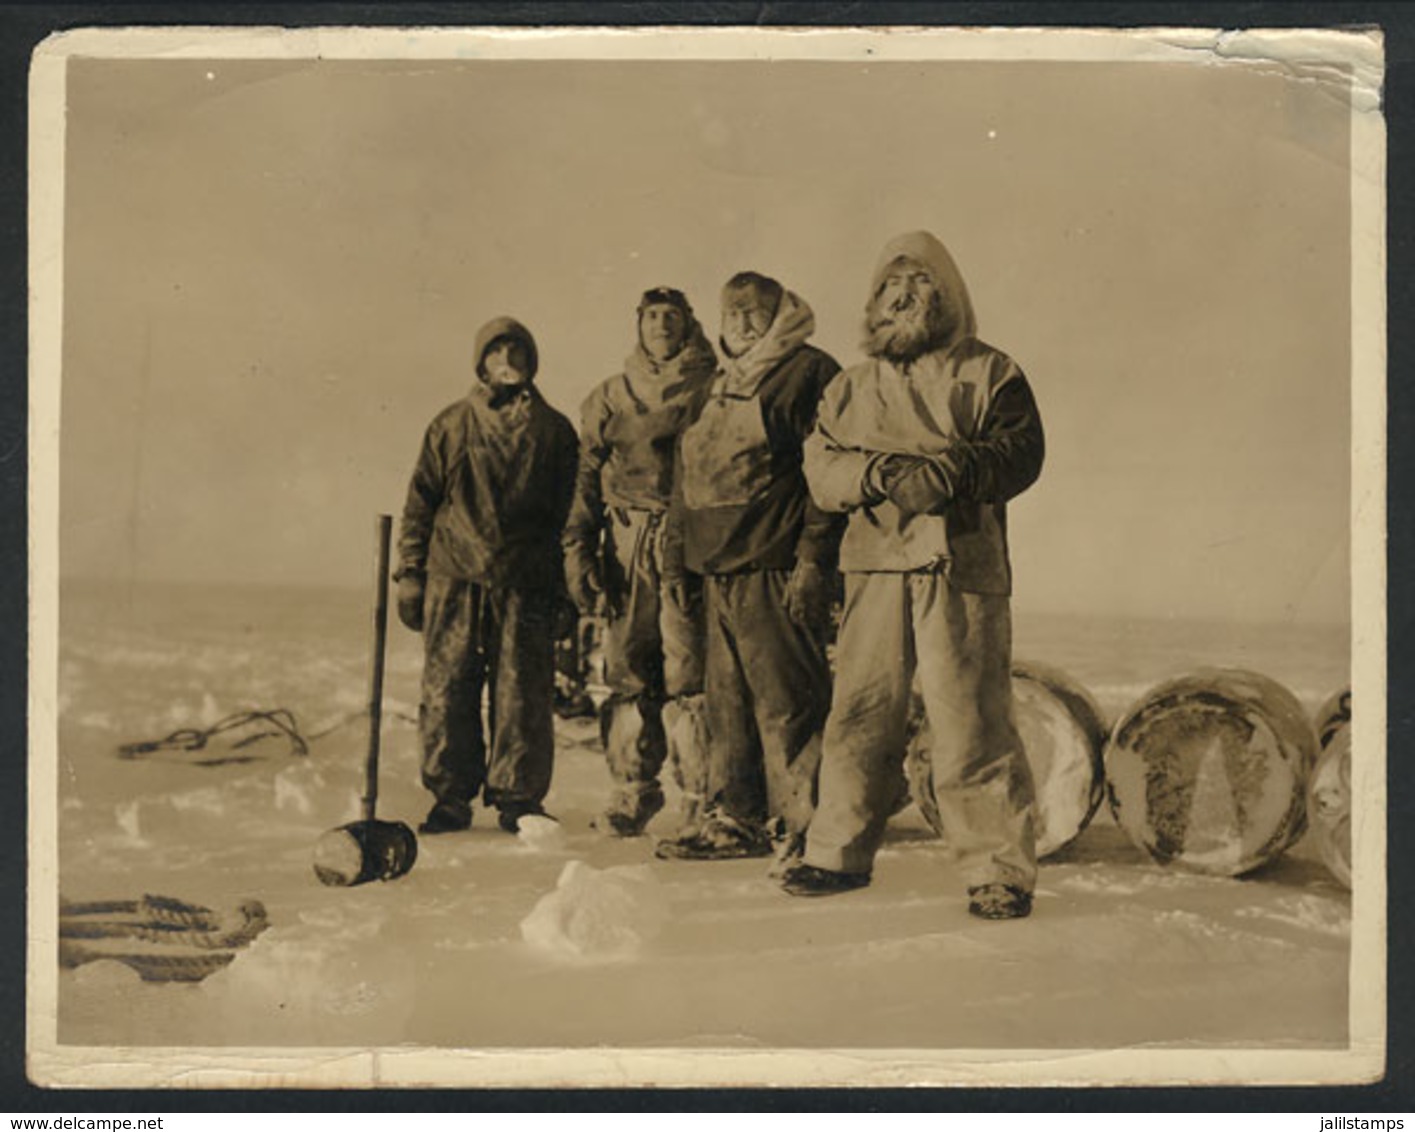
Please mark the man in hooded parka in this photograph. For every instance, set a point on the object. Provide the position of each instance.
(653, 642)
(480, 575)
(743, 519)
(923, 445)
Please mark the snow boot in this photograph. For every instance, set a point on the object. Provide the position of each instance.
(447, 816)
(509, 814)
(999, 902)
(721, 838)
(807, 880)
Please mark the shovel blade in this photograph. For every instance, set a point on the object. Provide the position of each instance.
(363, 851)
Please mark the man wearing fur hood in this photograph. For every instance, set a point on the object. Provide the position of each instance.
(744, 522)
(479, 576)
(923, 445)
(614, 566)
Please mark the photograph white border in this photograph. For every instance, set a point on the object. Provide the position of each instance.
(1350, 61)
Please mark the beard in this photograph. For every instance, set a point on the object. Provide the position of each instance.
(904, 336)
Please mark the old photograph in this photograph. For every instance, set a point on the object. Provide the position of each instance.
(664, 557)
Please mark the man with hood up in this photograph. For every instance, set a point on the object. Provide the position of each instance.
(923, 445)
(744, 521)
(614, 565)
(479, 576)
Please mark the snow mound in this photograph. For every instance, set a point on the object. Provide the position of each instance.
(318, 976)
(597, 915)
(105, 976)
(1310, 912)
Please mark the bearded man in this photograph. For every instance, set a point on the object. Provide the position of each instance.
(923, 445)
(653, 642)
(743, 521)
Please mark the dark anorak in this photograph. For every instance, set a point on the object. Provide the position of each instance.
(741, 501)
(492, 486)
(482, 523)
(743, 517)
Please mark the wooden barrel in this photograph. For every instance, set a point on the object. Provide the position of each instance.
(1209, 771)
(1063, 733)
(1329, 793)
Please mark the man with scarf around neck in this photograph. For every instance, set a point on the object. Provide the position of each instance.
(923, 445)
(480, 577)
(653, 641)
(743, 521)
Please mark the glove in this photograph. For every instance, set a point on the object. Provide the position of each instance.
(872, 482)
(924, 489)
(883, 469)
(410, 601)
(585, 590)
(808, 595)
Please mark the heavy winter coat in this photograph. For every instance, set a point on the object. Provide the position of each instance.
(629, 426)
(965, 403)
(492, 485)
(741, 501)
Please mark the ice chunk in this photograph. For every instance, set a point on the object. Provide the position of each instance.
(209, 802)
(126, 815)
(291, 792)
(538, 832)
(597, 915)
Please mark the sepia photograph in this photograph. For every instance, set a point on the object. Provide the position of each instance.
(729, 557)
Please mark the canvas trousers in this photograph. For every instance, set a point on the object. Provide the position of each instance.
(499, 640)
(768, 694)
(896, 626)
(653, 659)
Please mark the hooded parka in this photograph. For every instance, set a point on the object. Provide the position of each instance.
(926, 591)
(487, 501)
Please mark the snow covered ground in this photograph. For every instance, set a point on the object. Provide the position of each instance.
(1119, 953)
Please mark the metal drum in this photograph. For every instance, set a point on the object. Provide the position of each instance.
(1329, 793)
(1209, 771)
(1063, 733)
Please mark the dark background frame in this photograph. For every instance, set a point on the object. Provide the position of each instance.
(23, 26)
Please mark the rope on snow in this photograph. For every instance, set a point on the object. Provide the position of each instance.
(282, 720)
(152, 968)
(162, 919)
(193, 941)
(195, 739)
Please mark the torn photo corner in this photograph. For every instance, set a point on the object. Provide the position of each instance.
(259, 261)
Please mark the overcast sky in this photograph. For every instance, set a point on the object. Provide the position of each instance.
(275, 270)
